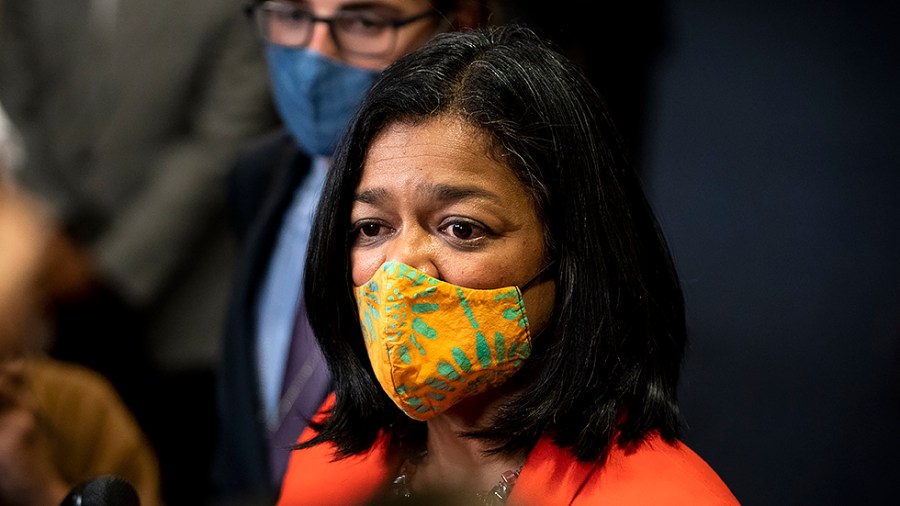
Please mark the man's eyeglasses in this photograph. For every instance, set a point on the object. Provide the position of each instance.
(362, 32)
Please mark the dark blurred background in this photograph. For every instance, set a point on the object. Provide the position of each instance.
(768, 135)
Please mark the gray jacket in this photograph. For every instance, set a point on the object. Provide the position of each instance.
(132, 112)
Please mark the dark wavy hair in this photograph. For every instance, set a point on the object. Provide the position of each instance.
(605, 371)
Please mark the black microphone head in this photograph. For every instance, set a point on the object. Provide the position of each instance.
(103, 491)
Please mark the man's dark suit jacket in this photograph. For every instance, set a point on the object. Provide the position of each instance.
(262, 185)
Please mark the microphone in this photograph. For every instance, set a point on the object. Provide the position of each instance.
(102, 491)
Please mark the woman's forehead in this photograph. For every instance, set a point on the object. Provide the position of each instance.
(445, 148)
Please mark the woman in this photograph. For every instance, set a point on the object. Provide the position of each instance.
(493, 296)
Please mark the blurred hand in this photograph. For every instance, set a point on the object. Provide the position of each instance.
(68, 270)
(24, 238)
(27, 474)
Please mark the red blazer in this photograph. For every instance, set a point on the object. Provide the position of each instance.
(656, 473)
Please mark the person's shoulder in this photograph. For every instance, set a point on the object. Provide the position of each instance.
(264, 168)
(653, 472)
(71, 391)
(319, 476)
(262, 161)
(57, 378)
(659, 472)
(268, 145)
(94, 431)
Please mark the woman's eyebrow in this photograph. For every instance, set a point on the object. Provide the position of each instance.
(439, 192)
(452, 193)
(372, 196)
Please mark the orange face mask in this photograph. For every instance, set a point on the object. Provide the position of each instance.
(433, 344)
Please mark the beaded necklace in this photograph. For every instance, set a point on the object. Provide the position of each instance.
(496, 496)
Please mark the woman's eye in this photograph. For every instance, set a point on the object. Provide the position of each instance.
(369, 231)
(464, 230)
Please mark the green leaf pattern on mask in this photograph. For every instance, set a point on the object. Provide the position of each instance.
(419, 325)
(439, 384)
(513, 313)
(415, 342)
(446, 370)
(462, 360)
(370, 299)
(500, 347)
(466, 309)
(403, 354)
(483, 350)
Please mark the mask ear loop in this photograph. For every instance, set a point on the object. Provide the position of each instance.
(537, 276)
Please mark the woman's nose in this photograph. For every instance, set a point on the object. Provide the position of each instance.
(417, 249)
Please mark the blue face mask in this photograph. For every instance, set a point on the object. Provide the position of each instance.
(316, 96)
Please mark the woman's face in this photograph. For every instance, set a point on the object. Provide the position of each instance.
(432, 198)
